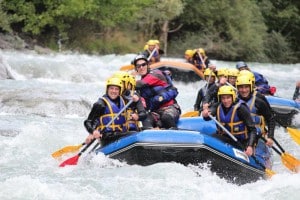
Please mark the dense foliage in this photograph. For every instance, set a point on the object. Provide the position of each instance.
(251, 30)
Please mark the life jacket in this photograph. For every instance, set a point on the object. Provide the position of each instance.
(159, 96)
(259, 120)
(232, 122)
(131, 125)
(261, 83)
(111, 109)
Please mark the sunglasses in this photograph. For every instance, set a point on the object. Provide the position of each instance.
(138, 66)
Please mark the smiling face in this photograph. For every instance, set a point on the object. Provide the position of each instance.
(141, 67)
(226, 100)
(244, 90)
(113, 92)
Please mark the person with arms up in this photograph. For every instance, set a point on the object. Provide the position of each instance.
(156, 88)
(235, 117)
(152, 52)
(103, 111)
(201, 61)
(262, 116)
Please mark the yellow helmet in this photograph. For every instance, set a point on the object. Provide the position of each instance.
(151, 42)
(247, 73)
(123, 76)
(201, 51)
(233, 72)
(132, 81)
(156, 41)
(116, 82)
(208, 71)
(244, 80)
(222, 72)
(189, 52)
(226, 90)
(145, 47)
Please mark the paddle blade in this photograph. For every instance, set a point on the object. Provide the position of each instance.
(66, 149)
(127, 67)
(269, 173)
(190, 114)
(290, 162)
(70, 161)
(295, 134)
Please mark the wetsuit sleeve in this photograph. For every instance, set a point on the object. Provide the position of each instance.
(97, 110)
(211, 94)
(296, 93)
(244, 114)
(265, 110)
(198, 100)
(140, 110)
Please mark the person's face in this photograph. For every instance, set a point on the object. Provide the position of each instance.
(211, 80)
(226, 100)
(232, 79)
(244, 90)
(113, 91)
(151, 47)
(141, 67)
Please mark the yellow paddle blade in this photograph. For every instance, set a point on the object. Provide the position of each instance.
(127, 67)
(295, 134)
(269, 173)
(290, 162)
(66, 149)
(190, 114)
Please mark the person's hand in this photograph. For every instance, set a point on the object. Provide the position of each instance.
(205, 112)
(135, 98)
(222, 80)
(89, 138)
(249, 151)
(134, 117)
(97, 134)
(269, 142)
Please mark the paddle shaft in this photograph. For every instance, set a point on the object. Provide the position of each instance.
(236, 140)
(152, 53)
(113, 119)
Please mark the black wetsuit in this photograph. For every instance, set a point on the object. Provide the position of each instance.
(263, 108)
(245, 116)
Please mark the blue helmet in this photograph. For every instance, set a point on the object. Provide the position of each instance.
(241, 64)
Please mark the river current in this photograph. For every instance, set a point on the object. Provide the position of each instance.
(44, 109)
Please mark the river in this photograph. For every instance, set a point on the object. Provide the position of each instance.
(44, 108)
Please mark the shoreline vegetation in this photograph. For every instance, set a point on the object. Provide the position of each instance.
(254, 31)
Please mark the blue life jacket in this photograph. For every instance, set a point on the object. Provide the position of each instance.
(232, 122)
(111, 109)
(131, 125)
(258, 119)
(261, 83)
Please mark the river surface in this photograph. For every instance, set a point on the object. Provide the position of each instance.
(44, 109)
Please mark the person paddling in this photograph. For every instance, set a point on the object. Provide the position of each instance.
(103, 111)
(262, 116)
(235, 117)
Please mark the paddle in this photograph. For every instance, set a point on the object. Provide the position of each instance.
(294, 133)
(288, 160)
(131, 67)
(190, 114)
(74, 159)
(269, 172)
(66, 149)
